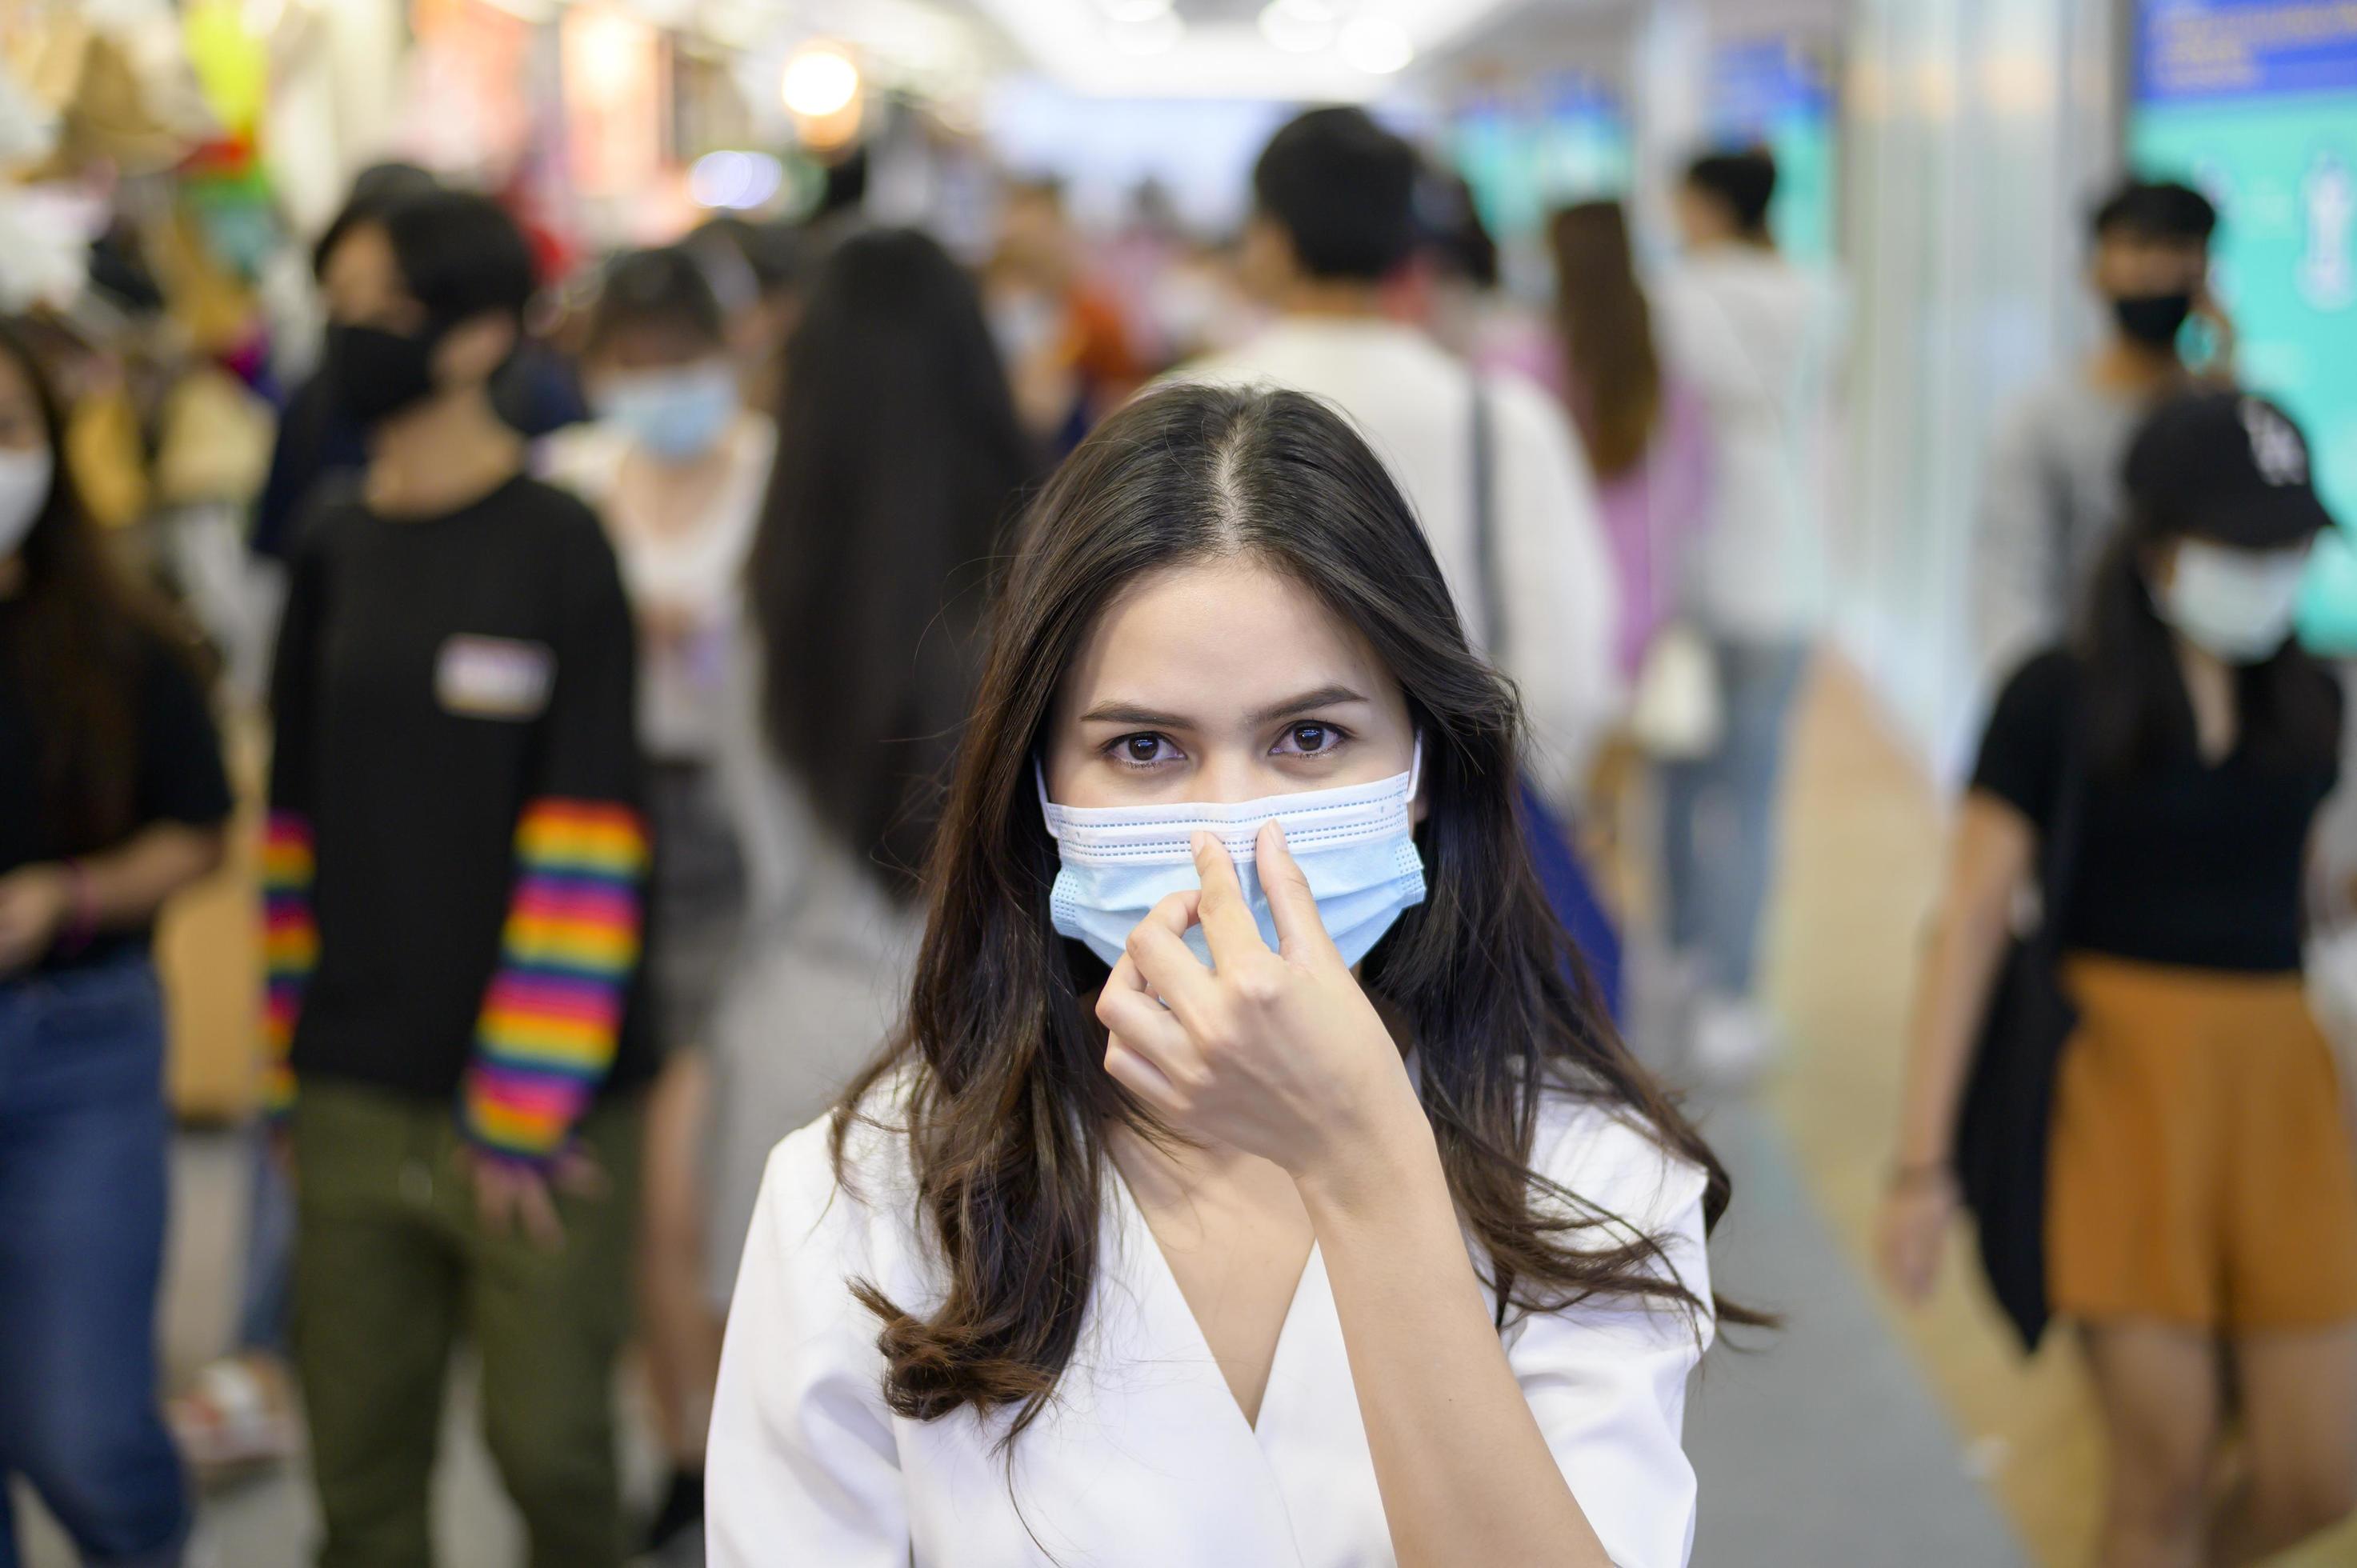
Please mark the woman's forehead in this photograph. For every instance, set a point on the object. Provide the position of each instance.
(1215, 639)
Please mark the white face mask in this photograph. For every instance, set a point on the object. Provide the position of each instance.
(24, 478)
(2237, 604)
(1356, 845)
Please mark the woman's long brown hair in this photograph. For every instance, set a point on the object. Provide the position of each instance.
(996, 1080)
(1612, 369)
(79, 640)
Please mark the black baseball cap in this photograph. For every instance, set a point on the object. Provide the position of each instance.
(2225, 466)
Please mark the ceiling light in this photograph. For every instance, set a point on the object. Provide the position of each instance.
(1376, 45)
(1134, 10)
(819, 81)
(1297, 28)
(1155, 35)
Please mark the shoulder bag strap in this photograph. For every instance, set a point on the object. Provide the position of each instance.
(1485, 531)
(2065, 837)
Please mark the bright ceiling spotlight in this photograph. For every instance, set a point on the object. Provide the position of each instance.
(819, 81)
(1376, 45)
(1134, 10)
(1296, 28)
(1155, 35)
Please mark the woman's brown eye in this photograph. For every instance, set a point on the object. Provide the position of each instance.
(1311, 738)
(1143, 747)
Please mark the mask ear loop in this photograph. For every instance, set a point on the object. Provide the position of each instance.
(1047, 807)
(1416, 768)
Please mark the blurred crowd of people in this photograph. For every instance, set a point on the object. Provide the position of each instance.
(614, 634)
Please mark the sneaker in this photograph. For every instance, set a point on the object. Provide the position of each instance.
(1733, 1042)
(236, 1418)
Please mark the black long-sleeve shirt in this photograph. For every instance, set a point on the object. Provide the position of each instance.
(456, 830)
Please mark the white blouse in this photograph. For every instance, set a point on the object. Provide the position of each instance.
(699, 569)
(1144, 1455)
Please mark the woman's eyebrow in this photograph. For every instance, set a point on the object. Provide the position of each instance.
(1323, 697)
(1119, 713)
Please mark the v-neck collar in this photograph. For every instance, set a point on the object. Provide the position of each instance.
(1137, 1236)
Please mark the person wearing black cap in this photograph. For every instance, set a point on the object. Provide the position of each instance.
(2051, 487)
(2164, 768)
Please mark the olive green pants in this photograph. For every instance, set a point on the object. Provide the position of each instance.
(391, 1265)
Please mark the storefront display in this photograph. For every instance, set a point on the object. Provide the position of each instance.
(2254, 101)
(1777, 91)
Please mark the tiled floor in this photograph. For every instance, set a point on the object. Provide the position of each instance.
(1856, 1438)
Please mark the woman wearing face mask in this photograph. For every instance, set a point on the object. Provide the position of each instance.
(1239, 1013)
(863, 592)
(2201, 1205)
(112, 798)
(454, 875)
(675, 463)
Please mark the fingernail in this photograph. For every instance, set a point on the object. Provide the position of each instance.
(1276, 828)
(1199, 841)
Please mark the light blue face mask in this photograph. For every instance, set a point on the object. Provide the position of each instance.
(676, 414)
(1356, 844)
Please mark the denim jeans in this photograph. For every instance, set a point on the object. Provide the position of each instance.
(1719, 815)
(266, 1283)
(83, 1137)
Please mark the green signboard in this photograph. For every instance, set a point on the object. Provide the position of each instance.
(2254, 101)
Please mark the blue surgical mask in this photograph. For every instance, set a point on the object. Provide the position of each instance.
(676, 415)
(1356, 844)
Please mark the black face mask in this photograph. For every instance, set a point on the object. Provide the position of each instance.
(374, 373)
(2152, 320)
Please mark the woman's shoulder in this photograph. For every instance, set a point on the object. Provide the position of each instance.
(857, 1183)
(1609, 1158)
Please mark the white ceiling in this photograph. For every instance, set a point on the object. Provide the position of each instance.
(1216, 50)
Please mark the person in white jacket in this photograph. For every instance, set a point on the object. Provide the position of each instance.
(1333, 221)
(1756, 336)
(1248, 1182)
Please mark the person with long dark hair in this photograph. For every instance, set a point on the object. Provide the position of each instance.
(2200, 1212)
(1646, 437)
(900, 459)
(1250, 1180)
(111, 799)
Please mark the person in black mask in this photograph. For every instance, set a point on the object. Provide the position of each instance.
(2050, 491)
(454, 877)
(318, 443)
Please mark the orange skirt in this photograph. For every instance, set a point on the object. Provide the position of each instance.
(2202, 1169)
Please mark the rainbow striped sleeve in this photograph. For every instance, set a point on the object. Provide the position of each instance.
(290, 946)
(551, 1016)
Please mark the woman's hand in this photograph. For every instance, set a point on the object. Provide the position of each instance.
(517, 1196)
(1912, 1232)
(33, 904)
(1276, 1054)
